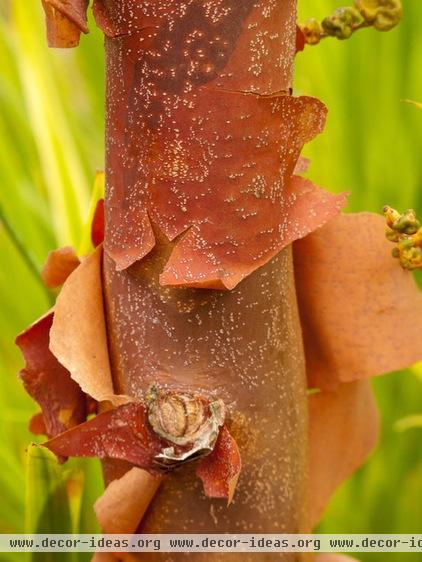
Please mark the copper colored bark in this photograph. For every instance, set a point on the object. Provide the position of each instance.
(219, 474)
(97, 226)
(122, 433)
(360, 316)
(78, 334)
(343, 430)
(59, 265)
(62, 402)
(228, 193)
(202, 142)
(125, 501)
(203, 136)
(360, 313)
(193, 262)
(66, 20)
(242, 346)
(247, 46)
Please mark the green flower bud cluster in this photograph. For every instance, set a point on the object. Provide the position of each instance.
(381, 14)
(343, 22)
(406, 232)
(312, 31)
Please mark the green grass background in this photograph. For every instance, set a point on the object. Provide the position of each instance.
(51, 143)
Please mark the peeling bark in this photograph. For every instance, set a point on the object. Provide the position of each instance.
(202, 141)
(243, 346)
(360, 313)
(65, 21)
(62, 402)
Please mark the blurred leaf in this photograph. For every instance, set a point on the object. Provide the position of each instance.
(409, 422)
(47, 507)
(74, 481)
(23, 251)
(417, 370)
(416, 103)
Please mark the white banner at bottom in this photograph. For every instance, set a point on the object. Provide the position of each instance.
(210, 543)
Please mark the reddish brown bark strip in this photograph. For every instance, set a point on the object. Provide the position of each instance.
(59, 265)
(126, 435)
(97, 226)
(122, 433)
(303, 208)
(223, 344)
(78, 336)
(202, 136)
(252, 210)
(237, 46)
(343, 430)
(62, 402)
(360, 313)
(66, 20)
(125, 501)
(220, 470)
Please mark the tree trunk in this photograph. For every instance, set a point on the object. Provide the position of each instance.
(244, 345)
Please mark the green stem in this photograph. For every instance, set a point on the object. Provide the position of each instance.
(344, 22)
(27, 258)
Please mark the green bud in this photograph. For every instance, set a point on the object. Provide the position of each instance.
(406, 243)
(312, 31)
(381, 14)
(411, 258)
(342, 22)
(391, 215)
(407, 223)
(405, 231)
(392, 235)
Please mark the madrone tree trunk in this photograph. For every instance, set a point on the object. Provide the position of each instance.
(241, 345)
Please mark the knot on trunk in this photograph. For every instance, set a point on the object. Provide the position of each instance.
(188, 421)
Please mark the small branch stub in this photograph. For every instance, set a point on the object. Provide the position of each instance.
(405, 231)
(187, 420)
(382, 15)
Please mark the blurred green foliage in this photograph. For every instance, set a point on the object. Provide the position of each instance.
(51, 143)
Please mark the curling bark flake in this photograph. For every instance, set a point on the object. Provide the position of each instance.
(202, 137)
